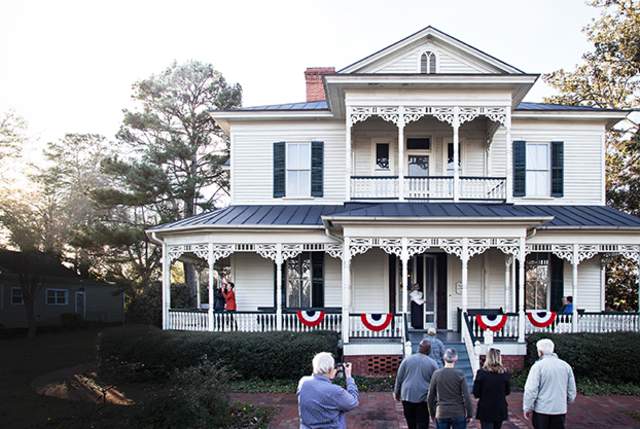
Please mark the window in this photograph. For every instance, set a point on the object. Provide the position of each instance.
(16, 296)
(382, 156)
(428, 63)
(299, 281)
(537, 281)
(538, 171)
(418, 144)
(450, 159)
(298, 169)
(57, 297)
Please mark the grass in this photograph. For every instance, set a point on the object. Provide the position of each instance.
(586, 386)
(365, 384)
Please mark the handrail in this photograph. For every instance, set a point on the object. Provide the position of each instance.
(375, 177)
(469, 344)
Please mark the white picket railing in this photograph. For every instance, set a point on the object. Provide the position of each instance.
(482, 188)
(331, 322)
(429, 188)
(358, 330)
(374, 187)
(188, 320)
(609, 322)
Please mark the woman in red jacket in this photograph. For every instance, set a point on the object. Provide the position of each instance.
(229, 297)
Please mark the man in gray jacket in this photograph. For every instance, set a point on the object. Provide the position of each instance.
(549, 387)
(412, 386)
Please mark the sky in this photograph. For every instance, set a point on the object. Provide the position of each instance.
(68, 66)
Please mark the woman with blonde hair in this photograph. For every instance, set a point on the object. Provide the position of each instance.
(491, 387)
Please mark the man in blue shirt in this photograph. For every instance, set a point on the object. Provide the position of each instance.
(321, 403)
(567, 305)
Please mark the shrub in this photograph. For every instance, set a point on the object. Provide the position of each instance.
(612, 357)
(71, 320)
(195, 397)
(145, 306)
(146, 352)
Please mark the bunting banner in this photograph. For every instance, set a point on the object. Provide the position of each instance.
(310, 318)
(492, 322)
(376, 321)
(541, 319)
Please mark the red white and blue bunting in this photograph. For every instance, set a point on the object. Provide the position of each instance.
(541, 319)
(310, 318)
(492, 322)
(376, 321)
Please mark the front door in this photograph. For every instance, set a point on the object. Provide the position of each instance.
(80, 304)
(423, 296)
(417, 170)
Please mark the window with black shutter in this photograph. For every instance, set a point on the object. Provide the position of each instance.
(557, 169)
(519, 168)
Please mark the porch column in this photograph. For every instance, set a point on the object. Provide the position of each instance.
(211, 262)
(513, 284)
(401, 194)
(507, 284)
(166, 286)
(346, 288)
(464, 258)
(279, 286)
(456, 154)
(347, 155)
(509, 147)
(404, 258)
(521, 259)
(574, 285)
(198, 297)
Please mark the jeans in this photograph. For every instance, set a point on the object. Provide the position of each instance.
(548, 421)
(490, 425)
(417, 414)
(452, 423)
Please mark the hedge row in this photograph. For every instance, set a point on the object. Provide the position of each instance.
(612, 357)
(147, 352)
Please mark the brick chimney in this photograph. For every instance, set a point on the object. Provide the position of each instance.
(313, 78)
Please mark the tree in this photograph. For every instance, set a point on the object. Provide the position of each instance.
(609, 77)
(172, 152)
(12, 134)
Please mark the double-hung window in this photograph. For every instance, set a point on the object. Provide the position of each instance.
(299, 281)
(538, 170)
(16, 296)
(382, 156)
(57, 296)
(298, 169)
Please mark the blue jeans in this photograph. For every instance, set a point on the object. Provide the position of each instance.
(452, 423)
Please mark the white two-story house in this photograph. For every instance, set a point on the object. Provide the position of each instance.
(412, 189)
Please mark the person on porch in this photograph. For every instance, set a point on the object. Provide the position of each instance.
(437, 346)
(549, 388)
(229, 297)
(218, 300)
(417, 305)
(322, 404)
(412, 386)
(567, 305)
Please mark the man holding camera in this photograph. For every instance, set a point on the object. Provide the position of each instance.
(322, 404)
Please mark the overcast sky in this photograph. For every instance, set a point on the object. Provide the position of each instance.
(68, 66)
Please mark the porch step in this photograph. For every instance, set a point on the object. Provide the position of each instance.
(449, 340)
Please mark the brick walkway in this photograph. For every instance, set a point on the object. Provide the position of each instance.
(378, 410)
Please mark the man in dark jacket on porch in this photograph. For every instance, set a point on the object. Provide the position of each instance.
(412, 386)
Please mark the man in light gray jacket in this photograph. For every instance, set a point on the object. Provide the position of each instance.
(412, 386)
(549, 387)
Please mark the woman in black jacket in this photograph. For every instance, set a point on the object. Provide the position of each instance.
(491, 387)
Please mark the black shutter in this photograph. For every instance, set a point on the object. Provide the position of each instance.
(279, 169)
(519, 168)
(317, 279)
(557, 169)
(317, 167)
(556, 273)
(518, 286)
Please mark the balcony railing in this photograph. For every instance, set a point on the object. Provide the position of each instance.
(472, 188)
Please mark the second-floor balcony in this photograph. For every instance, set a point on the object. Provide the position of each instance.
(437, 188)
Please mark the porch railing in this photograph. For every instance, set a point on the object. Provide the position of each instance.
(374, 187)
(357, 329)
(589, 322)
(428, 188)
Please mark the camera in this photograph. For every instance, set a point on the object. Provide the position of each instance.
(340, 370)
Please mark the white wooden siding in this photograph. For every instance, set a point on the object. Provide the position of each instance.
(254, 279)
(332, 281)
(583, 175)
(449, 60)
(252, 159)
(588, 284)
(370, 278)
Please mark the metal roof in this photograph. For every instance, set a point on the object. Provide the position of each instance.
(323, 105)
(564, 216)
